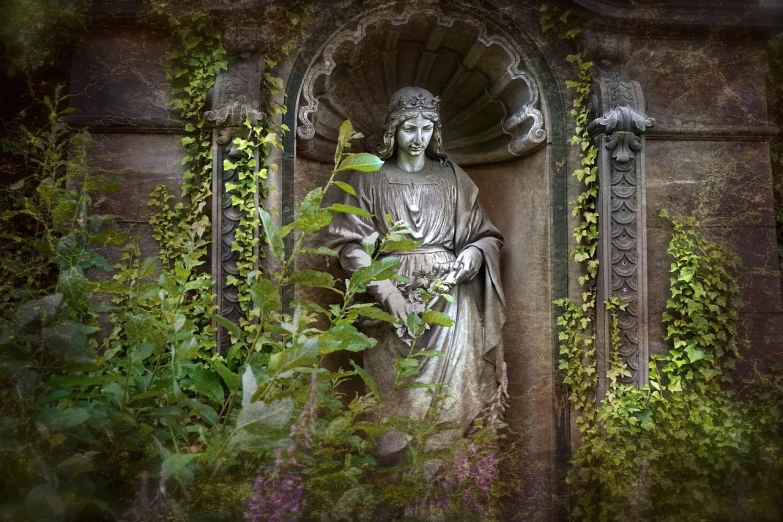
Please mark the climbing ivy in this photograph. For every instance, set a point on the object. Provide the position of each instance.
(683, 446)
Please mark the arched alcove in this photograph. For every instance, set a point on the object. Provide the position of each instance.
(504, 123)
(489, 102)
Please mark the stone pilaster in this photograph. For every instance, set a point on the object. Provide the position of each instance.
(235, 98)
(618, 122)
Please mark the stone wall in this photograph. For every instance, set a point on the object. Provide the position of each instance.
(707, 156)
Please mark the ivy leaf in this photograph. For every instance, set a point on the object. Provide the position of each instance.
(439, 318)
(272, 234)
(296, 356)
(363, 162)
(314, 278)
(348, 209)
(206, 383)
(694, 354)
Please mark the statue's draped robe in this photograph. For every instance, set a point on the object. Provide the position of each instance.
(440, 205)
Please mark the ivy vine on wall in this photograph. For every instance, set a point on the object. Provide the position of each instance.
(684, 446)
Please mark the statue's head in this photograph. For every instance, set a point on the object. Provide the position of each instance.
(410, 103)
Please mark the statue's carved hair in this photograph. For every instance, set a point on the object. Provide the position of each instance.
(405, 104)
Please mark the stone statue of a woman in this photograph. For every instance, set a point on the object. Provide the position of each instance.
(420, 186)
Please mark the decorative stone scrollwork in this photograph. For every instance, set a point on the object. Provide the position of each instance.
(490, 113)
(618, 122)
(235, 98)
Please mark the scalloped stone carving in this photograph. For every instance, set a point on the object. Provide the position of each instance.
(489, 102)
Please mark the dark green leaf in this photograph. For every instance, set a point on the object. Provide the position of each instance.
(206, 383)
(312, 278)
(348, 209)
(272, 235)
(439, 318)
(296, 356)
(265, 295)
(232, 327)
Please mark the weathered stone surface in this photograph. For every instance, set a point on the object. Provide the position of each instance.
(720, 183)
(119, 78)
(700, 80)
(517, 197)
(140, 162)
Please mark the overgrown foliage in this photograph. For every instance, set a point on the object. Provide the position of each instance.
(118, 406)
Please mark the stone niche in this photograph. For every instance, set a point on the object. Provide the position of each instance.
(502, 115)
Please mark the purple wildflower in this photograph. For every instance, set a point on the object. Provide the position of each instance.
(278, 499)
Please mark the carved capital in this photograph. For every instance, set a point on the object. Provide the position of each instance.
(237, 96)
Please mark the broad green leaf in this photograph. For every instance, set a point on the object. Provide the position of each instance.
(431, 353)
(314, 278)
(207, 383)
(265, 295)
(311, 216)
(397, 246)
(345, 337)
(231, 379)
(63, 214)
(363, 162)
(379, 270)
(274, 415)
(179, 467)
(304, 354)
(232, 327)
(406, 367)
(322, 251)
(348, 209)
(367, 378)
(343, 140)
(43, 503)
(346, 187)
(61, 419)
(369, 243)
(249, 385)
(272, 235)
(373, 312)
(439, 318)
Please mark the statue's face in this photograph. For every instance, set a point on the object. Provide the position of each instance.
(413, 136)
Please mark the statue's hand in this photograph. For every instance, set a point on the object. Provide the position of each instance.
(395, 303)
(469, 262)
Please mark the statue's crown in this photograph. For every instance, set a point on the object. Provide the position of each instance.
(416, 101)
